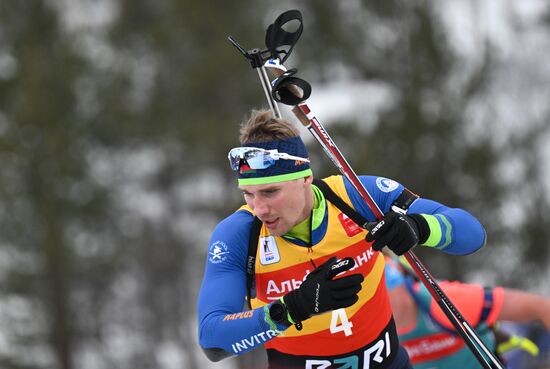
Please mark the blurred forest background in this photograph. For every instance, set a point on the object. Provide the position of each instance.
(116, 117)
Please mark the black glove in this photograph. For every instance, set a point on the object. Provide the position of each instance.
(399, 232)
(320, 292)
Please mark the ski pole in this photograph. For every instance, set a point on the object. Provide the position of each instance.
(257, 62)
(304, 114)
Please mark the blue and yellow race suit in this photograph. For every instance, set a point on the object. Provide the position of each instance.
(360, 336)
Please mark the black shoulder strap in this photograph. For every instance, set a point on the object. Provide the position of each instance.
(339, 203)
(251, 258)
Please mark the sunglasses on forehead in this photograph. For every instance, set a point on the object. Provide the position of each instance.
(257, 158)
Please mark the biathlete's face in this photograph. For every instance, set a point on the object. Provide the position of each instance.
(280, 206)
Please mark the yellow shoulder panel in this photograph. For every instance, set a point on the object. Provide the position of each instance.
(336, 182)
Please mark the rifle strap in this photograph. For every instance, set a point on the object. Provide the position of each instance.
(251, 259)
(340, 204)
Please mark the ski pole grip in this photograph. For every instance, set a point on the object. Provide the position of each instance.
(302, 117)
(289, 89)
(296, 110)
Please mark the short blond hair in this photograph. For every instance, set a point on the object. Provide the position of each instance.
(262, 126)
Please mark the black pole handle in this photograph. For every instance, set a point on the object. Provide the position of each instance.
(279, 41)
(290, 90)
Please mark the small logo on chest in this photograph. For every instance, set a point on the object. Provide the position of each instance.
(269, 252)
(349, 225)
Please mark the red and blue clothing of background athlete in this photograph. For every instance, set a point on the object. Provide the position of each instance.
(432, 342)
(223, 291)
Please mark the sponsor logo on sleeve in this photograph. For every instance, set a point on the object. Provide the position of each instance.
(240, 315)
(255, 340)
(386, 185)
(218, 252)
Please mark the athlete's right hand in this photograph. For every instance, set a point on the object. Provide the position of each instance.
(320, 292)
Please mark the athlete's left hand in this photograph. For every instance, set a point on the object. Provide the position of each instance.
(399, 232)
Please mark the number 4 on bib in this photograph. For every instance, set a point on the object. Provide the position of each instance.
(345, 325)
